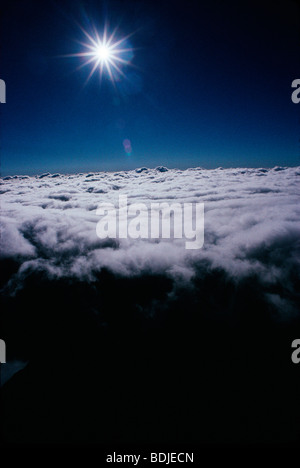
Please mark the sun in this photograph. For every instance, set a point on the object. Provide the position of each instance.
(105, 53)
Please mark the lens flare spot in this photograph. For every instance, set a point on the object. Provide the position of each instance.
(127, 146)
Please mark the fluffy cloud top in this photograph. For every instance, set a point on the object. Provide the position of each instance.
(251, 226)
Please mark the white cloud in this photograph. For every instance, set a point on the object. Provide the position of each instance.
(251, 224)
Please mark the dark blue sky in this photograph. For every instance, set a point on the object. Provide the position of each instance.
(210, 86)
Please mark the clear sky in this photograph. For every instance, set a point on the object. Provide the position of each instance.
(208, 84)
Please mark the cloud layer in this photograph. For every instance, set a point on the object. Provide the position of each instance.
(251, 226)
(140, 340)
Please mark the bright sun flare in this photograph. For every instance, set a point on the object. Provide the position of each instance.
(104, 53)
